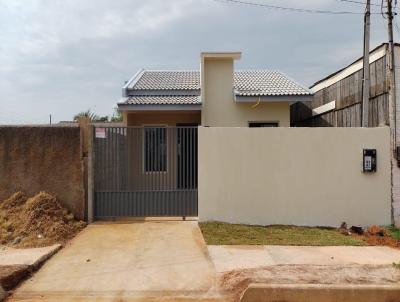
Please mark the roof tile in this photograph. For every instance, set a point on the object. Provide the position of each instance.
(163, 100)
(168, 80)
(246, 83)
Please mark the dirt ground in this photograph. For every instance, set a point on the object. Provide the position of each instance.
(376, 235)
(233, 283)
(37, 221)
(2, 294)
(10, 275)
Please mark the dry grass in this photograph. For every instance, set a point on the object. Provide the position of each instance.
(217, 233)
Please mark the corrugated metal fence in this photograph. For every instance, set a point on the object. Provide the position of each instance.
(145, 171)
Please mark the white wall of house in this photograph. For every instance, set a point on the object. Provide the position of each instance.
(300, 176)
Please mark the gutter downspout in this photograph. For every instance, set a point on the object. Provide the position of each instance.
(256, 104)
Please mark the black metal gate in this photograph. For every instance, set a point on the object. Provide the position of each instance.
(145, 171)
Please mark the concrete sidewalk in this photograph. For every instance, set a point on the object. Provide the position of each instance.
(135, 261)
(27, 256)
(274, 267)
(17, 264)
(231, 257)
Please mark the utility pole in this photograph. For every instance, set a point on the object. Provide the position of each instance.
(365, 100)
(50, 119)
(391, 77)
(393, 123)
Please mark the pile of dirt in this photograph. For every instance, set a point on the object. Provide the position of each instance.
(37, 221)
(376, 235)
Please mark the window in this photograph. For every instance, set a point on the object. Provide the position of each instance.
(262, 124)
(155, 149)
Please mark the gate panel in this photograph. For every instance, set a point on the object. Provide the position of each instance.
(145, 171)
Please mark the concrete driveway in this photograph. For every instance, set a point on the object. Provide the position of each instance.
(131, 261)
(169, 261)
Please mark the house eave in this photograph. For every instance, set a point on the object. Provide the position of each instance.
(273, 98)
(131, 82)
(164, 92)
(161, 107)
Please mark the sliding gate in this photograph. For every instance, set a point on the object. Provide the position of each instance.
(145, 171)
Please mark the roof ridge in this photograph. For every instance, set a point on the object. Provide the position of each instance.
(258, 69)
(162, 95)
(171, 70)
(197, 70)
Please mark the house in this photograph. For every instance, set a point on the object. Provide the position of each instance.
(337, 102)
(160, 163)
(215, 95)
(149, 167)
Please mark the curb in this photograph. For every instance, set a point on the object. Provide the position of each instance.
(320, 292)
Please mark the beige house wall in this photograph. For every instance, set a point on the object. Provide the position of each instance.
(300, 176)
(219, 107)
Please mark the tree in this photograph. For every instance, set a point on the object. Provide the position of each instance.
(89, 114)
(117, 116)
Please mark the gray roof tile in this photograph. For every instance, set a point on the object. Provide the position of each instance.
(266, 83)
(163, 100)
(150, 84)
(168, 80)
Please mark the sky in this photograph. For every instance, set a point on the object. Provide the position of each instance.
(61, 57)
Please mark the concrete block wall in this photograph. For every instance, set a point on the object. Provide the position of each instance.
(43, 158)
(299, 176)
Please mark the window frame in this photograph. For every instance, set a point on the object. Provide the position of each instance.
(275, 123)
(165, 127)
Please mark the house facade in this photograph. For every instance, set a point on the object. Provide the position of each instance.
(216, 95)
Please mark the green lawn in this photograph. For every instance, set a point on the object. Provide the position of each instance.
(217, 233)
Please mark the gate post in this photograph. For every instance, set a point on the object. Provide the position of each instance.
(91, 155)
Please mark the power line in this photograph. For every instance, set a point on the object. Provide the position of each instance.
(358, 2)
(291, 9)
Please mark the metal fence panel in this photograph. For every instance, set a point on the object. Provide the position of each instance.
(145, 171)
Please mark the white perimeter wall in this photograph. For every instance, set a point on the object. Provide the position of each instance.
(299, 176)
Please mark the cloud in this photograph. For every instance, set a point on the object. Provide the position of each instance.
(65, 56)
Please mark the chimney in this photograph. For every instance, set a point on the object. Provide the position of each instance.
(216, 80)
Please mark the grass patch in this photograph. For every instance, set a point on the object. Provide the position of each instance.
(394, 231)
(218, 233)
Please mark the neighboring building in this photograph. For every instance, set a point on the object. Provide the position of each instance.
(337, 103)
(337, 97)
(214, 96)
